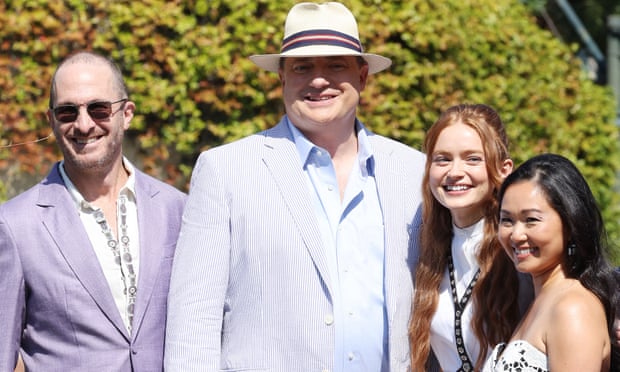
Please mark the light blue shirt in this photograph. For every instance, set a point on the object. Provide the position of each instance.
(352, 230)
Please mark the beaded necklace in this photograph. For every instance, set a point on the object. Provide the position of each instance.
(124, 258)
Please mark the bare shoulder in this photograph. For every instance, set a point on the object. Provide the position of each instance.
(577, 302)
(577, 337)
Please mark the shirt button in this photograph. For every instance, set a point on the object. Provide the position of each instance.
(351, 356)
(329, 319)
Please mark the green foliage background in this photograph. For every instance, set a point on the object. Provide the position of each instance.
(187, 69)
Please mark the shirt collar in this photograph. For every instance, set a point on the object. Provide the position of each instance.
(365, 152)
(466, 243)
(81, 203)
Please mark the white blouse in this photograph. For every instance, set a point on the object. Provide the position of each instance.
(465, 244)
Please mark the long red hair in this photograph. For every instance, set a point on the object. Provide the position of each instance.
(496, 311)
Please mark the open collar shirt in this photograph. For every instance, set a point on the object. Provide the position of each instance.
(111, 269)
(353, 233)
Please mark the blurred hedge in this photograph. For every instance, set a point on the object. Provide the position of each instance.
(187, 70)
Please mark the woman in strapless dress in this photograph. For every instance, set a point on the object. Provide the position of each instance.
(552, 229)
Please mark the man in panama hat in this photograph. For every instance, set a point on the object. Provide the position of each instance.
(295, 248)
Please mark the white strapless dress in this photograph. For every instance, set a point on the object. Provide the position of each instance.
(517, 355)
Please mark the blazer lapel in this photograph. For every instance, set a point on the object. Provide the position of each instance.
(151, 250)
(390, 187)
(282, 159)
(63, 223)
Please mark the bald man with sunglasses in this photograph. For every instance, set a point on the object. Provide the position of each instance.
(86, 254)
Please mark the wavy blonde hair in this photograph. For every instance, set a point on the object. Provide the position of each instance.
(496, 311)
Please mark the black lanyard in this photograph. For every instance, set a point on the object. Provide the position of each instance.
(459, 308)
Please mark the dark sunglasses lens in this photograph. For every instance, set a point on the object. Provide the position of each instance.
(96, 110)
(66, 114)
(99, 110)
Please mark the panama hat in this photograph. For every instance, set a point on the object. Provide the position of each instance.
(319, 30)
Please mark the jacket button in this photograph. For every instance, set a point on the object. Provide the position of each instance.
(329, 319)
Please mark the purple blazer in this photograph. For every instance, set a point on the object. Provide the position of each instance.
(55, 302)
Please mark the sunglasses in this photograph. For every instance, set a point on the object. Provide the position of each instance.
(97, 110)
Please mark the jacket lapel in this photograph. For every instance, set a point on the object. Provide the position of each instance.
(62, 221)
(282, 159)
(151, 250)
(390, 187)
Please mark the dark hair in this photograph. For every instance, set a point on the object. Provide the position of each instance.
(567, 192)
(90, 57)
